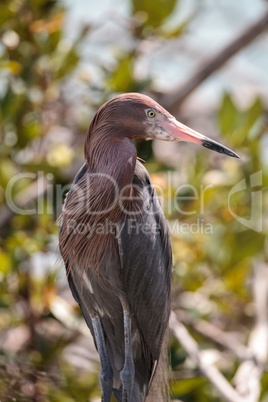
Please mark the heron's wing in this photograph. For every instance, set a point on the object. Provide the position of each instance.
(70, 278)
(146, 260)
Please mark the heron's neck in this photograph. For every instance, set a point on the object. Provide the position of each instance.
(115, 158)
(100, 198)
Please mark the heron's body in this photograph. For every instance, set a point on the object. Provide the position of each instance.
(128, 276)
(115, 244)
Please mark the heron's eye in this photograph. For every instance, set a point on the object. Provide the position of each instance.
(151, 113)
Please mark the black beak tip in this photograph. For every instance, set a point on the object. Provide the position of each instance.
(234, 155)
(214, 146)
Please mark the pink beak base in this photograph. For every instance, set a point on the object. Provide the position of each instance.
(184, 133)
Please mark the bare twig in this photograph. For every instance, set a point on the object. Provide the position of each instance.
(248, 375)
(174, 99)
(225, 339)
(224, 388)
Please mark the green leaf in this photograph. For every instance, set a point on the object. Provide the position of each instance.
(252, 116)
(228, 115)
(185, 386)
(156, 11)
(177, 31)
(5, 264)
(11, 66)
(121, 79)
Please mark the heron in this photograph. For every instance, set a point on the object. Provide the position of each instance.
(115, 243)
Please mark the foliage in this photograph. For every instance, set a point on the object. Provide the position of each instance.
(42, 132)
(215, 270)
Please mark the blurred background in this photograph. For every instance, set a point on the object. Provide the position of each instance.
(59, 61)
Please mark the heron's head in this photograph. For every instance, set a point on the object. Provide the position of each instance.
(134, 115)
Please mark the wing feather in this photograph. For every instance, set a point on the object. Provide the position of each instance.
(146, 258)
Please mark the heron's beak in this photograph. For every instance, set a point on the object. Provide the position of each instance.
(183, 133)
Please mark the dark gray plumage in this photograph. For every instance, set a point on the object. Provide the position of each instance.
(140, 272)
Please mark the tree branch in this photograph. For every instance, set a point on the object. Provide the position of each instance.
(225, 339)
(224, 388)
(173, 100)
(248, 376)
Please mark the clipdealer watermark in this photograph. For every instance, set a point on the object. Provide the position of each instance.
(171, 197)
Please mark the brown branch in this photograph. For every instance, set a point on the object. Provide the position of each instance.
(173, 100)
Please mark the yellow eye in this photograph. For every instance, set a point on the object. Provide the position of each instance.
(151, 113)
